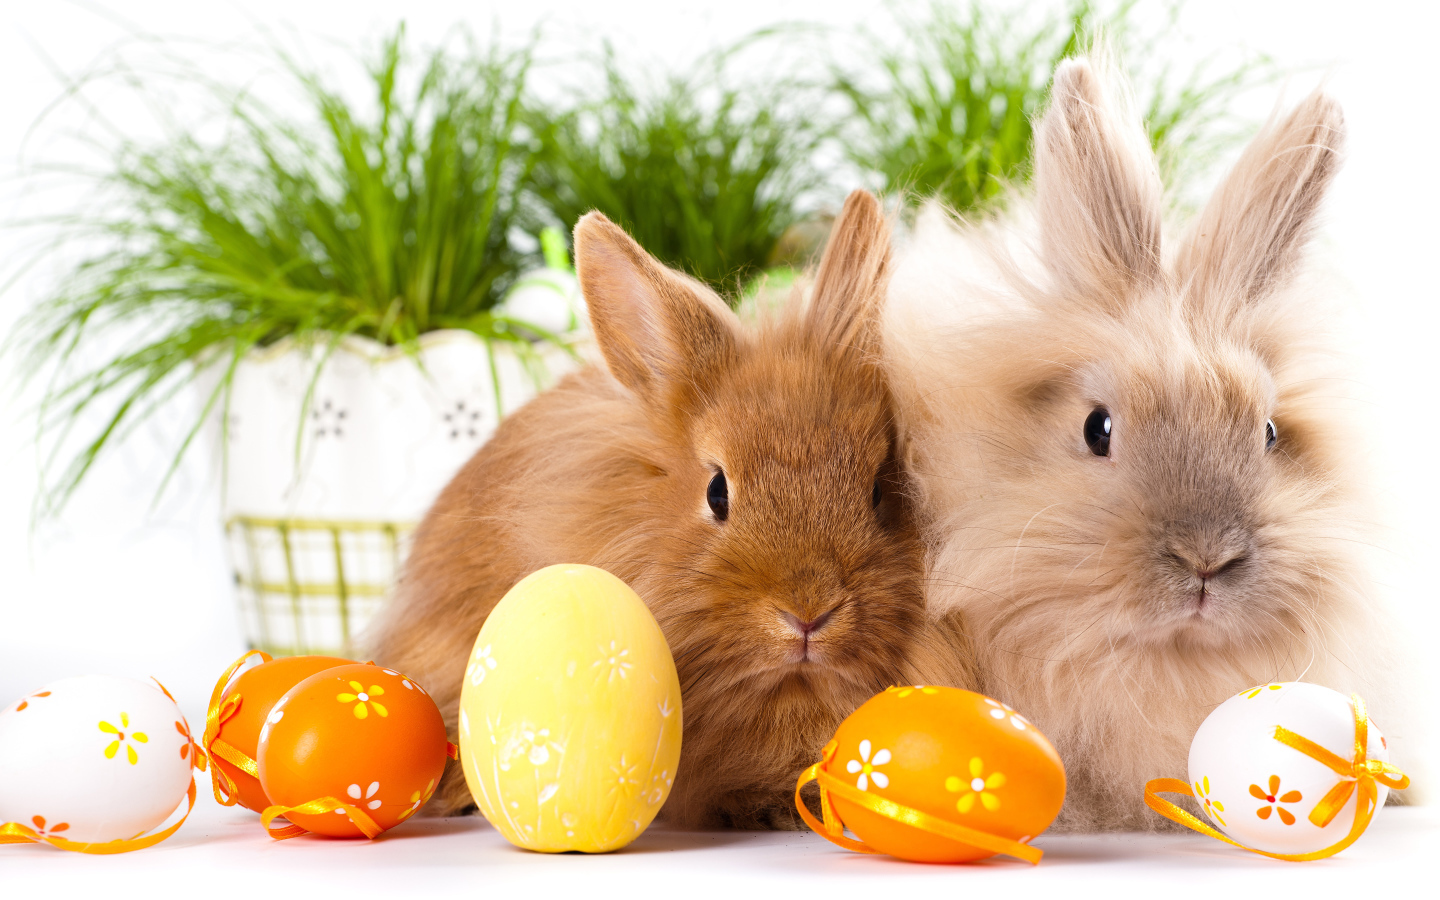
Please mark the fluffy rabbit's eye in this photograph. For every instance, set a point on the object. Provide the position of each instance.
(875, 494)
(718, 496)
(1097, 431)
(1270, 436)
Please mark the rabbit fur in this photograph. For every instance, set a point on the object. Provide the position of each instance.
(1116, 600)
(782, 618)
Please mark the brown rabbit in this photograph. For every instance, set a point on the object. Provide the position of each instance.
(743, 481)
(1135, 473)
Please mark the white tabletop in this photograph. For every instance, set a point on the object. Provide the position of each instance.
(222, 853)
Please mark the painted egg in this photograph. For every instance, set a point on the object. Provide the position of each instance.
(570, 713)
(1259, 791)
(362, 734)
(258, 688)
(93, 759)
(955, 754)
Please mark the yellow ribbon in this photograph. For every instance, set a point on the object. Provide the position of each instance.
(1357, 774)
(15, 833)
(218, 714)
(357, 815)
(833, 829)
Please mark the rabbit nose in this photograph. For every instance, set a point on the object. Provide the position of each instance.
(1205, 574)
(806, 628)
(1208, 566)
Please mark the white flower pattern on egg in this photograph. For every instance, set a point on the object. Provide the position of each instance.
(528, 742)
(1000, 711)
(613, 661)
(478, 668)
(865, 766)
(403, 680)
(355, 794)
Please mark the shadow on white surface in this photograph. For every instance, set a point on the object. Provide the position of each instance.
(223, 853)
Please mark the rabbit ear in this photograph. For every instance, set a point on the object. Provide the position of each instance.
(1097, 188)
(849, 295)
(1251, 235)
(659, 331)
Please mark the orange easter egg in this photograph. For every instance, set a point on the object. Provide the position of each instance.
(956, 755)
(259, 688)
(362, 734)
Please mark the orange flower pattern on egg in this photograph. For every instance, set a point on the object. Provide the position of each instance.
(954, 754)
(384, 761)
(1273, 798)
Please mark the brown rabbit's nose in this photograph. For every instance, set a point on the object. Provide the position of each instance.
(1205, 574)
(805, 628)
(1209, 566)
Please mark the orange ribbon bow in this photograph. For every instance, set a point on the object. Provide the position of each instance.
(218, 714)
(1360, 773)
(16, 833)
(833, 830)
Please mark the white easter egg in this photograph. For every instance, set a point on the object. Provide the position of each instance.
(570, 715)
(93, 759)
(548, 299)
(1259, 791)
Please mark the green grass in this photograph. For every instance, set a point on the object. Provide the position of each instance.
(398, 213)
(705, 173)
(387, 219)
(945, 111)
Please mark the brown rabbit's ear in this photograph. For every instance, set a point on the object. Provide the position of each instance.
(1252, 233)
(1097, 188)
(849, 295)
(659, 331)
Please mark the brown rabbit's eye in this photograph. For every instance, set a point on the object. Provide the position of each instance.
(1270, 436)
(1097, 431)
(875, 494)
(718, 496)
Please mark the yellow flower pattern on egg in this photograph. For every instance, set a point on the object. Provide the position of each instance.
(123, 740)
(909, 689)
(1213, 808)
(363, 698)
(979, 785)
(1254, 692)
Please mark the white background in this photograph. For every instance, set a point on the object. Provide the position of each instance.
(116, 586)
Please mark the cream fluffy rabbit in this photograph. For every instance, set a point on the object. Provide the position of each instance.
(1133, 474)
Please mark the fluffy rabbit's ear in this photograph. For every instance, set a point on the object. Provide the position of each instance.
(660, 332)
(849, 296)
(1097, 188)
(1252, 233)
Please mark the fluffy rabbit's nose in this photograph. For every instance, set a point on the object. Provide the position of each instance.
(1209, 572)
(805, 628)
(1213, 566)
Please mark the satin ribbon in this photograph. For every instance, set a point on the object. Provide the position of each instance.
(833, 829)
(221, 709)
(15, 833)
(361, 819)
(357, 815)
(1357, 774)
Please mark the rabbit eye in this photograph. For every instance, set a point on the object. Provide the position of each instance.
(875, 496)
(718, 496)
(1270, 436)
(1097, 431)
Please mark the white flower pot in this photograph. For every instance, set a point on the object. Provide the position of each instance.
(320, 498)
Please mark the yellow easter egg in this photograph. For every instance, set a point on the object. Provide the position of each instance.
(570, 713)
